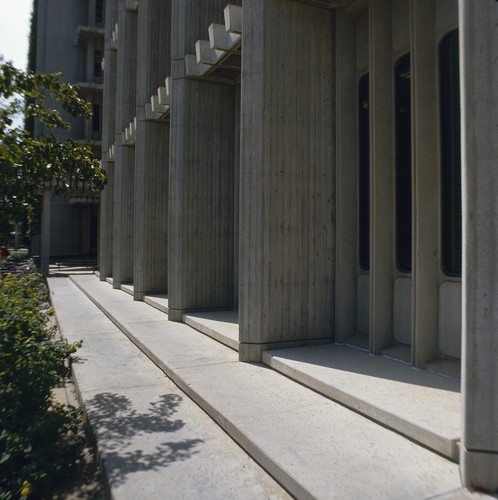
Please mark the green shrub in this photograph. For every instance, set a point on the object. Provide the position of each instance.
(37, 436)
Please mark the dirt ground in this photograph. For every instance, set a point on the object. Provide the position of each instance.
(85, 480)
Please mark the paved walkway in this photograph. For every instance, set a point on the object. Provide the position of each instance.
(145, 381)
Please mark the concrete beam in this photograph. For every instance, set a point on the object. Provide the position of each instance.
(220, 38)
(156, 107)
(193, 68)
(233, 18)
(205, 54)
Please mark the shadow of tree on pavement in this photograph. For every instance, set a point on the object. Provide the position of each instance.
(130, 441)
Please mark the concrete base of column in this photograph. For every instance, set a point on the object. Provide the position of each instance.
(254, 352)
(479, 469)
(176, 314)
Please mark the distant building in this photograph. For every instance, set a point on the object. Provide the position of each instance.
(70, 40)
(328, 169)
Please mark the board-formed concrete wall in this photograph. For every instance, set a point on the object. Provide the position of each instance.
(124, 167)
(201, 174)
(108, 138)
(287, 176)
(151, 181)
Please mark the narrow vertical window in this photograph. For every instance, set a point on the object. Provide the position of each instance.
(97, 63)
(99, 12)
(403, 165)
(451, 195)
(363, 174)
(96, 118)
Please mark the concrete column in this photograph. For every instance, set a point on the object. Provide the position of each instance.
(122, 231)
(106, 212)
(287, 177)
(108, 137)
(236, 191)
(45, 232)
(381, 189)
(201, 173)
(122, 253)
(150, 238)
(347, 176)
(426, 173)
(479, 105)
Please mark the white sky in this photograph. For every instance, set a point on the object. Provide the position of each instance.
(14, 30)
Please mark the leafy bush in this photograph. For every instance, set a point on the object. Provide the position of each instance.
(37, 435)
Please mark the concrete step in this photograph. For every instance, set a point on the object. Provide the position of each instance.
(152, 441)
(417, 403)
(313, 446)
(420, 404)
(159, 301)
(128, 289)
(222, 326)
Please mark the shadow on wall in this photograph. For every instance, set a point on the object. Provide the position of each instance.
(130, 441)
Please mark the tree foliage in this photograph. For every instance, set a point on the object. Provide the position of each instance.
(28, 164)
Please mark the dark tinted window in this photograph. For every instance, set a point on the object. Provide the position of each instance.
(96, 118)
(97, 63)
(451, 196)
(363, 174)
(403, 165)
(99, 12)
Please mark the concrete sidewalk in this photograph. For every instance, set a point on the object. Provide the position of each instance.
(155, 442)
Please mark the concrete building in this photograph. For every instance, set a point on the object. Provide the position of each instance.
(70, 40)
(326, 169)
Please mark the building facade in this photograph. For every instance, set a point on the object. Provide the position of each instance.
(70, 40)
(326, 169)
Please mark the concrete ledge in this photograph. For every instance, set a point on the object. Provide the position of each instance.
(128, 289)
(419, 404)
(222, 326)
(159, 301)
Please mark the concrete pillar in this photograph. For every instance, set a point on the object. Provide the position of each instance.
(426, 187)
(108, 137)
(479, 118)
(201, 173)
(150, 237)
(287, 177)
(347, 176)
(122, 253)
(106, 212)
(45, 232)
(381, 188)
(236, 199)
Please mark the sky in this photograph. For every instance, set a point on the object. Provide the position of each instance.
(14, 30)
(14, 33)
